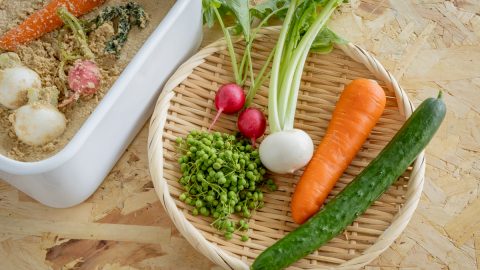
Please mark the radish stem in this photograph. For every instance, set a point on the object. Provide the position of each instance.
(74, 24)
(259, 80)
(230, 48)
(254, 34)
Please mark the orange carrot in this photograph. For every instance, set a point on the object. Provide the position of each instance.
(357, 111)
(44, 21)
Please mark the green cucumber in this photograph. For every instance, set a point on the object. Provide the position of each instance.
(357, 196)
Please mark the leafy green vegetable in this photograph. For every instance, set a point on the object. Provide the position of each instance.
(268, 7)
(77, 29)
(217, 10)
(242, 13)
(116, 43)
(325, 40)
(208, 11)
(303, 16)
(131, 14)
(303, 26)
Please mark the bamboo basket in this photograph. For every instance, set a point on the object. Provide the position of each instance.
(186, 103)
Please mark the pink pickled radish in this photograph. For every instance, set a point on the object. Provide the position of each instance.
(84, 77)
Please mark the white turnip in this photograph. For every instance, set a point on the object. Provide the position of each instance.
(39, 121)
(14, 84)
(286, 151)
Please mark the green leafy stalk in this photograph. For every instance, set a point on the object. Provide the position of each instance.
(231, 50)
(325, 40)
(76, 27)
(290, 84)
(217, 10)
(268, 7)
(250, 65)
(258, 80)
(242, 13)
(293, 97)
(303, 18)
(303, 29)
(323, 43)
(244, 65)
(243, 16)
(273, 116)
(255, 31)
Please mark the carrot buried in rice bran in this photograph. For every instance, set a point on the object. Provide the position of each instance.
(43, 21)
(357, 111)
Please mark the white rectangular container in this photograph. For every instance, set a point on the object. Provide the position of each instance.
(74, 173)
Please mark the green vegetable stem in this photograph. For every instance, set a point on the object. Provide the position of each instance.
(303, 29)
(303, 14)
(220, 10)
(71, 22)
(76, 27)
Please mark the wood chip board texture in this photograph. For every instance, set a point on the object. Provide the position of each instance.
(191, 107)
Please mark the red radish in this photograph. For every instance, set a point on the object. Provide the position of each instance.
(83, 79)
(229, 99)
(252, 124)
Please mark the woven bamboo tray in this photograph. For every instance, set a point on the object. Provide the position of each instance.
(187, 103)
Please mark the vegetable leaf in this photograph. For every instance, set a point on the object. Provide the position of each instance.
(242, 13)
(208, 11)
(325, 40)
(267, 7)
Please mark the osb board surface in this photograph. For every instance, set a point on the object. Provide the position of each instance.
(428, 45)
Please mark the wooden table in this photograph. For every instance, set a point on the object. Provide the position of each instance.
(427, 44)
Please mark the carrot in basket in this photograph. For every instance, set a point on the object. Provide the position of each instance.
(357, 111)
(44, 21)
